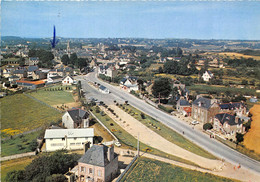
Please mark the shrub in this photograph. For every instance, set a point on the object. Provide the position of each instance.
(142, 115)
(207, 126)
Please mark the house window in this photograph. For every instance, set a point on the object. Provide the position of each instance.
(82, 169)
(90, 171)
(51, 138)
(99, 173)
(63, 139)
(75, 138)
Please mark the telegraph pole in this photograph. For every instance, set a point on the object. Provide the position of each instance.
(138, 146)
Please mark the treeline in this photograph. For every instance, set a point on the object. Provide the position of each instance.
(250, 52)
(250, 62)
(183, 67)
(46, 168)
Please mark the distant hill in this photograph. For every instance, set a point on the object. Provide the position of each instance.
(10, 38)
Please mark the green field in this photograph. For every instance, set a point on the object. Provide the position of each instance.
(145, 169)
(54, 95)
(128, 141)
(221, 89)
(20, 113)
(166, 132)
(18, 145)
(16, 164)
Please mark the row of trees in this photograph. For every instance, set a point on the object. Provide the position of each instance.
(44, 56)
(181, 68)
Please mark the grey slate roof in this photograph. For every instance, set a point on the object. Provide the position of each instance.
(96, 155)
(203, 102)
(77, 114)
(231, 106)
(70, 133)
(32, 68)
(184, 102)
(230, 119)
(21, 71)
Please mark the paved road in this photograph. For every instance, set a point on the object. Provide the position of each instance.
(201, 139)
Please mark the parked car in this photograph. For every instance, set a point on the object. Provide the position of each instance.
(194, 122)
(118, 144)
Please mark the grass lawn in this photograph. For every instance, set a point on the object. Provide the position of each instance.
(16, 164)
(20, 113)
(10, 146)
(167, 132)
(145, 169)
(221, 89)
(54, 97)
(128, 141)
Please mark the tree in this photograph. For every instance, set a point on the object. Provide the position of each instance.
(65, 59)
(56, 178)
(207, 126)
(239, 137)
(244, 82)
(140, 83)
(15, 176)
(74, 58)
(160, 70)
(161, 88)
(33, 145)
(82, 63)
(21, 61)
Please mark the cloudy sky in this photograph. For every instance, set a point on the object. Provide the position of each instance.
(137, 19)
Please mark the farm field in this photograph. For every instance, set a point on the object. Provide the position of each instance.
(18, 145)
(16, 164)
(171, 76)
(252, 138)
(54, 95)
(167, 133)
(221, 89)
(128, 141)
(234, 55)
(146, 169)
(21, 113)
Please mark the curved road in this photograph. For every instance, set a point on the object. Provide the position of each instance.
(201, 139)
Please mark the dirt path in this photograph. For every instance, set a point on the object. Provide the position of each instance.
(149, 137)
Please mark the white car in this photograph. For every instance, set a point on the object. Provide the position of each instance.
(118, 144)
(194, 122)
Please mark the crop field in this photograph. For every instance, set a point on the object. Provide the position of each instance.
(234, 55)
(167, 133)
(18, 145)
(128, 141)
(54, 95)
(20, 113)
(146, 169)
(171, 76)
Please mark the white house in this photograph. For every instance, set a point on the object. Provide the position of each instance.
(129, 83)
(207, 76)
(75, 118)
(68, 80)
(70, 139)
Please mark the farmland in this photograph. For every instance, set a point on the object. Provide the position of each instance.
(21, 113)
(146, 169)
(234, 55)
(19, 144)
(54, 95)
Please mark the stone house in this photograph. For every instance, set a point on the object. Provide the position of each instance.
(204, 109)
(38, 75)
(70, 139)
(98, 164)
(75, 118)
(32, 61)
(183, 106)
(30, 70)
(237, 108)
(228, 124)
(21, 73)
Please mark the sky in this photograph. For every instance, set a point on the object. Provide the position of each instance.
(132, 19)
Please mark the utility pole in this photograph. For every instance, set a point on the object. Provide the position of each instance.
(138, 145)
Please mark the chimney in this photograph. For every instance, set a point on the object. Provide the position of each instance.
(110, 153)
(236, 119)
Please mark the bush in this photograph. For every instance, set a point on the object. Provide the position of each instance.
(142, 115)
(207, 126)
(33, 145)
(239, 137)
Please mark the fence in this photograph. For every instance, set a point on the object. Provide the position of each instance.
(41, 102)
(17, 156)
(126, 169)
